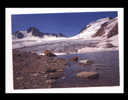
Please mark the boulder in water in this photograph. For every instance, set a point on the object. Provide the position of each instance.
(74, 58)
(89, 75)
(85, 62)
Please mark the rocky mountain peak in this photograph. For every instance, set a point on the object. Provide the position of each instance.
(33, 31)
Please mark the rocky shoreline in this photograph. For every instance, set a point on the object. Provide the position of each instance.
(34, 71)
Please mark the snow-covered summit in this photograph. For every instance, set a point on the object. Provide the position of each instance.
(97, 28)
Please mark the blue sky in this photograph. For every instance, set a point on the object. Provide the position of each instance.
(69, 24)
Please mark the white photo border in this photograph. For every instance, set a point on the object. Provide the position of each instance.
(8, 55)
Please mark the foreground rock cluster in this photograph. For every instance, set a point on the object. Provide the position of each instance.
(34, 71)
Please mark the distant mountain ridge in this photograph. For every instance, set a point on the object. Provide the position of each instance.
(32, 31)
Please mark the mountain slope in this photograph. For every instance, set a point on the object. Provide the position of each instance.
(105, 27)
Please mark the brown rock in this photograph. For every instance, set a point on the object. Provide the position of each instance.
(49, 53)
(89, 75)
(74, 58)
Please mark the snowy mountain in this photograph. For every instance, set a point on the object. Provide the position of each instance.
(33, 32)
(105, 27)
(102, 33)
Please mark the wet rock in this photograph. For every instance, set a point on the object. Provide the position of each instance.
(89, 75)
(85, 62)
(49, 53)
(74, 58)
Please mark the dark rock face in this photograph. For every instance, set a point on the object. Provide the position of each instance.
(19, 34)
(35, 31)
(34, 71)
(113, 32)
(101, 31)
